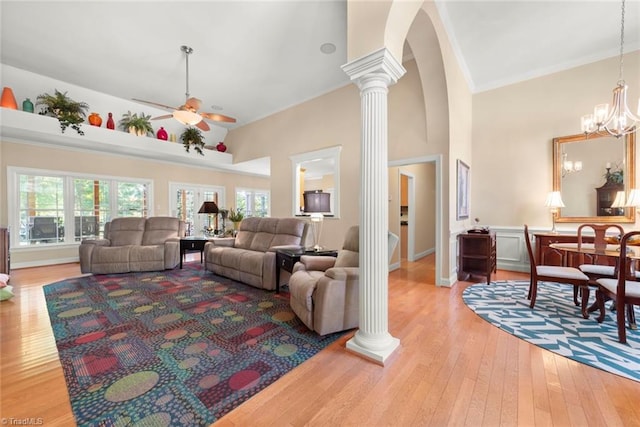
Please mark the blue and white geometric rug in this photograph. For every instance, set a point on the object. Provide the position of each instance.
(557, 325)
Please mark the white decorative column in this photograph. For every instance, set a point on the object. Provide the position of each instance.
(373, 74)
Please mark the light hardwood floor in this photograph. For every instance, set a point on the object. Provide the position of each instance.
(451, 368)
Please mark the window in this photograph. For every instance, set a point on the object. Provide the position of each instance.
(186, 200)
(253, 202)
(58, 207)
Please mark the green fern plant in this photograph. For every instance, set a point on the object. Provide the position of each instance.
(66, 110)
(141, 125)
(192, 137)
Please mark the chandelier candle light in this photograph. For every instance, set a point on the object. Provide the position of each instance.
(554, 203)
(618, 120)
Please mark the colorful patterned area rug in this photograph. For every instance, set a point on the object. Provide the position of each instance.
(178, 347)
(557, 325)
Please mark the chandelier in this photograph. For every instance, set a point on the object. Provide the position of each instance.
(617, 120)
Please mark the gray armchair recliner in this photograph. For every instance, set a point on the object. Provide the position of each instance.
(324, 289)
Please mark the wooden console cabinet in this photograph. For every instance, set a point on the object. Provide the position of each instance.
(4, 251)
(477, 255)
(545, 255)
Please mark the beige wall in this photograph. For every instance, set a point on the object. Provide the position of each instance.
(330, 120)
(513, 128)
(33, 156)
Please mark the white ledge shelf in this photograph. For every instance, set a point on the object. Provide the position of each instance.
(30, 128)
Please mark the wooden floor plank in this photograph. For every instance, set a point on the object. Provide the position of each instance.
(452, 368)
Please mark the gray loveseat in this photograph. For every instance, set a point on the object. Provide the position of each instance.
(251, 257)
(134, 244)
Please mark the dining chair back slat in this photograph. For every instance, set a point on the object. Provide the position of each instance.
(623, 289)
(557, 274)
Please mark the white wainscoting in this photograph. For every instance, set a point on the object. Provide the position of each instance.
(511, 248)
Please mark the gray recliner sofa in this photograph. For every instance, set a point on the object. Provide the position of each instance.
(251, 257)
(134, 244)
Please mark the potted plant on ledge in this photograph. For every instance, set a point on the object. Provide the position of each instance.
(236, 217)
(66, 110)
(192, 137)
(134, 124)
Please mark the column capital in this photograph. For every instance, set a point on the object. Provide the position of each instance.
(379, 62)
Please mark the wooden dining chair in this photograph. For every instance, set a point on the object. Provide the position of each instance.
(594, 269)
(552, 273)
(624, 290)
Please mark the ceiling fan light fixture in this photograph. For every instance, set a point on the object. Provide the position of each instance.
(187, 117)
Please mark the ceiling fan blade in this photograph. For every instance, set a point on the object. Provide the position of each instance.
(194, 103)
(202, 125)
(167, 116)
(166, 107)
(218, 117)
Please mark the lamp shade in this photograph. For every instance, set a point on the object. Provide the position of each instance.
(209, 208)
(618, 202)
(554, 200)
(634, 199)
(316, 201)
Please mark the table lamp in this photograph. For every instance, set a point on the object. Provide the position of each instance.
(554, 203)
(316, 203)
(634, 199)
(619, 203)
(209, 208)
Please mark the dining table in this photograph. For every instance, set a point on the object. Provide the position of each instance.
(608, 250)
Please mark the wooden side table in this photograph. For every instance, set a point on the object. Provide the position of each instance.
(287, 258)
(477, 255)
(192, 244)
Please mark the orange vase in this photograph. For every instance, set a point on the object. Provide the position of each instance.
(95, 119)
(8, 100)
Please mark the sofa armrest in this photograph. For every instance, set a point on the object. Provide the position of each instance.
(286, 247)
(97, 242)
(223, 241)
(343, 273)
(316, 263)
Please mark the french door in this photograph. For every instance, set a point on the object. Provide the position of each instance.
(185, 201)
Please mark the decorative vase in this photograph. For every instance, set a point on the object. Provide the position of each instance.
(134, 131)
(95, 119)
(162, 134)
(111, 124)
(8, 100)
(221, 147)
(27, 106)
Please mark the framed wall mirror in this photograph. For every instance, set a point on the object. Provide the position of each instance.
(317, 171)
(590, 172)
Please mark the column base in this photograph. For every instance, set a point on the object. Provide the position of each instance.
(378, 355)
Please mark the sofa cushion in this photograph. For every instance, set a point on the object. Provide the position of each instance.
(289, 231)
(159, 229)
(146, 258)
(126, 231)
(349, 256)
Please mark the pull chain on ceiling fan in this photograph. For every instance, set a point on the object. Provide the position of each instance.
(188, 114)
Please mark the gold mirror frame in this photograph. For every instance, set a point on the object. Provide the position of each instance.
(629, 176)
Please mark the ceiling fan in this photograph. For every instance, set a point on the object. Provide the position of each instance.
(188, 114)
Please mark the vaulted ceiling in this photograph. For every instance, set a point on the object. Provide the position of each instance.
(254, 58)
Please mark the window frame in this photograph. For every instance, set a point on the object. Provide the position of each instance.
(13, 201)
(253, 192)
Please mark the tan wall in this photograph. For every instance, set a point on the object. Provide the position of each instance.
(330, 120)
(512, 137)
(32, 156)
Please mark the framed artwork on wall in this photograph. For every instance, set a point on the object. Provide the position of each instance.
(462, 211)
